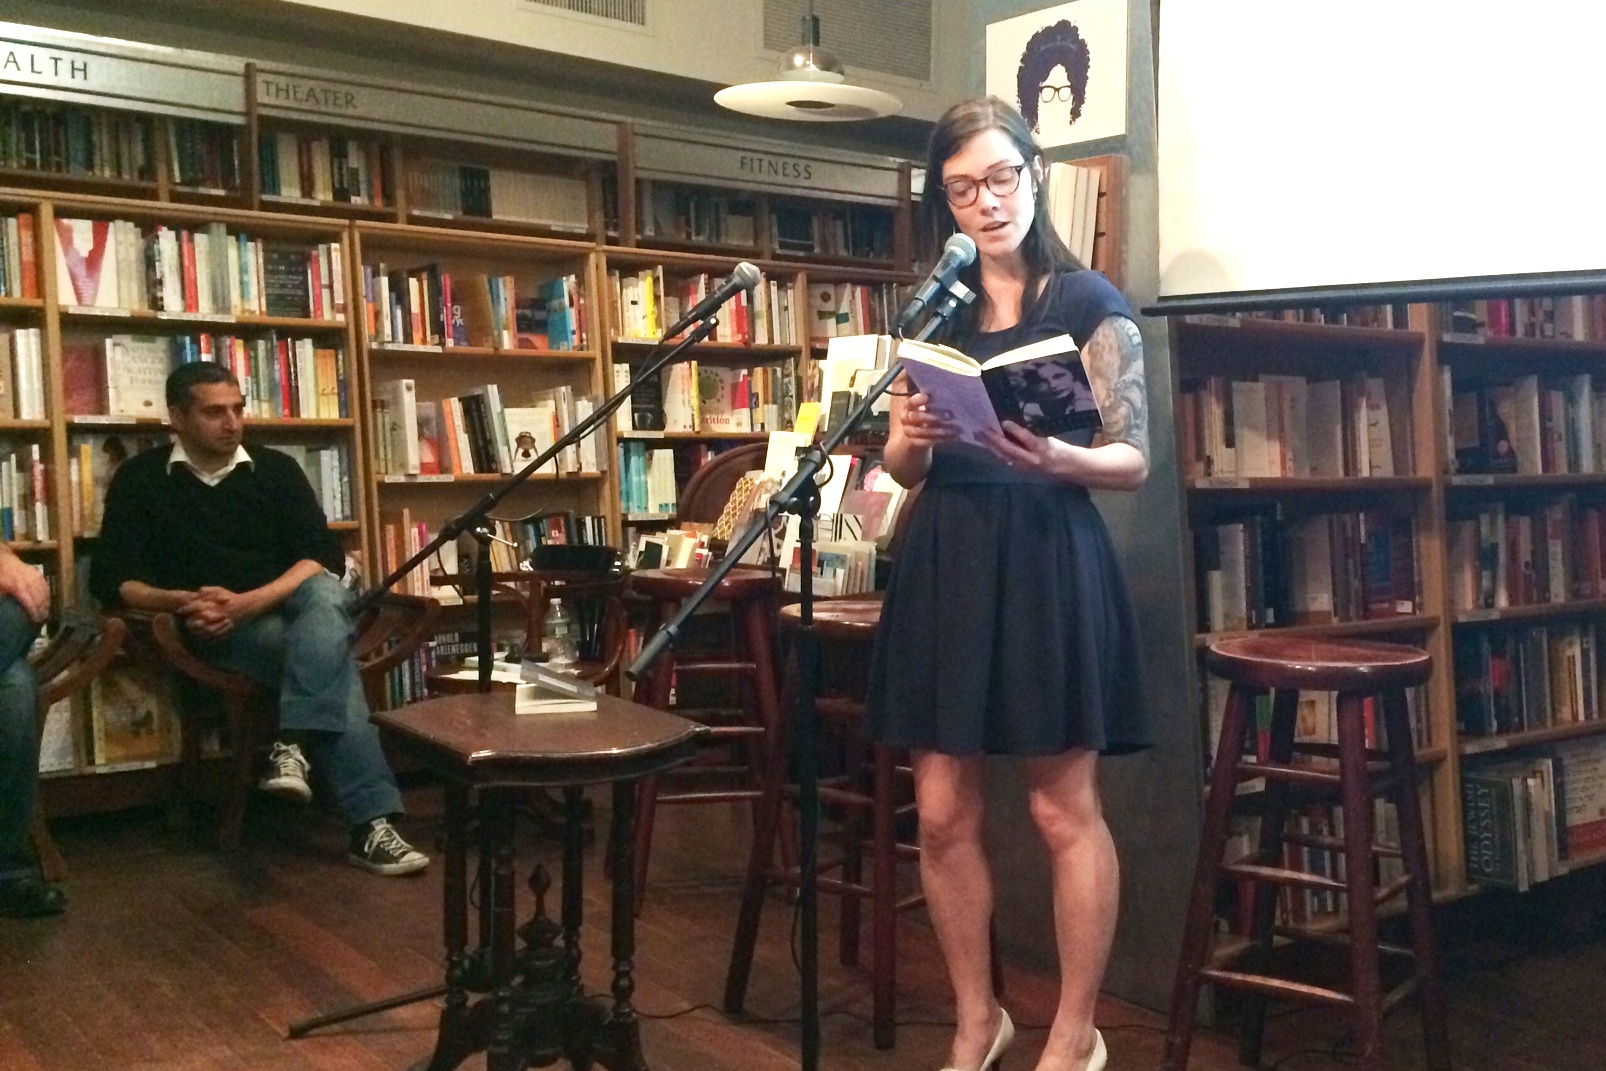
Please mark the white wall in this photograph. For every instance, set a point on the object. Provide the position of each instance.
(717, 41)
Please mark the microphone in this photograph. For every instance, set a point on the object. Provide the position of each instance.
(745, 277)
(958, 252)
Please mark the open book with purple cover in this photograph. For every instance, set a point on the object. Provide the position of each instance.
(1041, 386)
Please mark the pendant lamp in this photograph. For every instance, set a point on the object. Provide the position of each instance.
(810, 87)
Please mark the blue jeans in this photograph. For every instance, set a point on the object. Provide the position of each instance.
(304, 650)
(19, 740)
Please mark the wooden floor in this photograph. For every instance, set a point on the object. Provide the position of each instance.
(176, 957)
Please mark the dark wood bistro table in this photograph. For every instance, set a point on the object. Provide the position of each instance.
(532, 1009)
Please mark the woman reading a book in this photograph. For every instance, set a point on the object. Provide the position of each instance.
(1007, 628)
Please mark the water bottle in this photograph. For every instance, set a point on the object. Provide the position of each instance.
(557, 637)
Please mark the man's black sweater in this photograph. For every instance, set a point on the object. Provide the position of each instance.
(168, 529)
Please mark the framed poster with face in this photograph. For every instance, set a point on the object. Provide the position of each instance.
(1064, 67)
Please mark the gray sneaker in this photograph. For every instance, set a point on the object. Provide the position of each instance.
(287, 774)
(377, 847)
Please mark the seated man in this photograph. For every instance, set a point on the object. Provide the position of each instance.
(24, 602)
(234, 542)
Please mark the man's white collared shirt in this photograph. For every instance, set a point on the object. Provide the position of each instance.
(211, 479)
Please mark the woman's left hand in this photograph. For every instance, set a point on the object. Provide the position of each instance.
(1020, 449)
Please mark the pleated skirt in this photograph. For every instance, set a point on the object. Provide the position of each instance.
(1007, 628)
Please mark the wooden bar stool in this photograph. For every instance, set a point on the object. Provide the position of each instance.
(839, 623)
(747, 729)
(1356, 670)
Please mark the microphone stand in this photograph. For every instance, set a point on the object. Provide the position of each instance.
(474, 520)
(801, 495)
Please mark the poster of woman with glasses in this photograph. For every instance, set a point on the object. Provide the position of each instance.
(1065, 68)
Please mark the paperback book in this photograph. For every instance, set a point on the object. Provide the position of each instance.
(1040, 386)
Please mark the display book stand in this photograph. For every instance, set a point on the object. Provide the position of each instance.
(801, 496)
(474, 521)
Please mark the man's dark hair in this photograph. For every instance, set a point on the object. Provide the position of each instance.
(1059, 45)
(186, 377)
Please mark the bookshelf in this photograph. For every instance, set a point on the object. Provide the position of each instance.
(1308, 454)
(1506, 488)
(515, 354)
(408, 176)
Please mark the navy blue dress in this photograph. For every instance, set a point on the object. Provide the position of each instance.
(1007, 627)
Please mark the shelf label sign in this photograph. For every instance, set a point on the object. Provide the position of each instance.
(411, 109)
(56, 65)
(690, 158)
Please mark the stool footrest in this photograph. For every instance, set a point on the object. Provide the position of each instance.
(1307, 775)
(730, 796)
(1277, 987)
(713, 668)
(1336, 939)
(1280, 876)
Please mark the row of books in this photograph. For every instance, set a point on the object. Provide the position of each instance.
(1510, 557)
(687, 214)
(1310, 825)
(694, 396)
(280, 377)
(1577, 317)
(1525, 818)
(124, 720)
(476, 432)
(1315, 722)
(93, 458)
(204, 155)
(837, 309)
(428, 307)
(1073, 206)
(1285, 425)
(857, 232)
(647, 486)
(22, 378)
(312, 167)
(1388, 317)
(646, 303)
(1267, 571)
(1526, 426)
(64, 140)
(1514, 680)
(113, 264)
(18, 277)
(435, 187)
(24, 499)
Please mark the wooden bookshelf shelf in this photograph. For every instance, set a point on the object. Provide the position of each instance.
(344, 526)
(1241, 329)
(1375, 626)
(1463, 345)
(145, 320)
(92, 422)
(1534, 612)
(390, 480)
(24, 546)
(340, 208)
(696, 436)
(1506, 482)
(431, 242)
(425, 353)
(1480, 745)
(631, 349)
(24, 425)
(1284, 485)
(21, 304)
(72, 181)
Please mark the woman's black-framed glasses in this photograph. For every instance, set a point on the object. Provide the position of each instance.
(1003, 181)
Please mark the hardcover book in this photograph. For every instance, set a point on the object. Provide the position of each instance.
(1040, 386)
(86, 263)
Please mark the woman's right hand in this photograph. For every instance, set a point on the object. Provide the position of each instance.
(923, 426)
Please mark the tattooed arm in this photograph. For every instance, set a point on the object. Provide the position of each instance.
(1113, 358)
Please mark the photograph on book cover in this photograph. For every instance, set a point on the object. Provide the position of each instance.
(1064, 67)
(1052, 395)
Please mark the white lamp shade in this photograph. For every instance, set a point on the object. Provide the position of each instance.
(811, 100)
